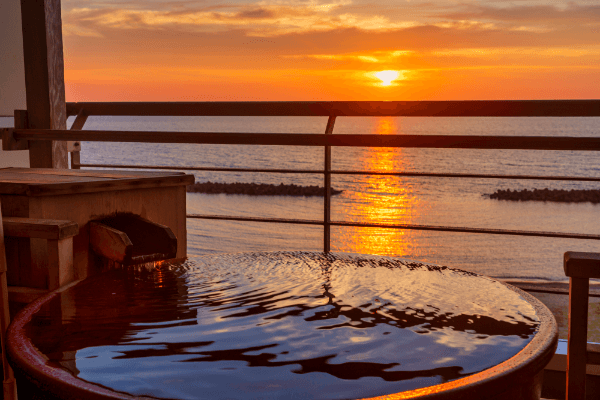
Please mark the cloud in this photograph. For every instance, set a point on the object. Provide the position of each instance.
(78, 30)
(527, 51)
(466, 24)
(263, 19)
(371, 57)
(548, 15)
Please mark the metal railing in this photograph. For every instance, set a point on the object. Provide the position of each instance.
(332, 110)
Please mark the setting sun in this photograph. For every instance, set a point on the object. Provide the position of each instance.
(387, 77)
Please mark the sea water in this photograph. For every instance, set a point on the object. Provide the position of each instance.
(454, 202)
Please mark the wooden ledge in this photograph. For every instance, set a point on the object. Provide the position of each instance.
(39, 228)
(582, 265)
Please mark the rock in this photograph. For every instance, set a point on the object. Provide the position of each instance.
(556, 195)
(258, 189)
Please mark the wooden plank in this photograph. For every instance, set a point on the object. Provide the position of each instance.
(24, 266)
(76, 160)
(44, 78)
(576, 352)
(31, 183)
(60, 263)
(84, 173)
(308, 139)
(80, 120)
(18, 259)
(75, 146)
(8, 140)
(15, 206)
(24, 186)
(10, 176)
(496, 108)
(593, 354)
(582, 264)
(110, 243)
(109, 185)
(39, 228)
(37, 276)
(13, 261)
(58, 174)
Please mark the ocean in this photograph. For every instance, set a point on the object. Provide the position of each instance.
(457, 202)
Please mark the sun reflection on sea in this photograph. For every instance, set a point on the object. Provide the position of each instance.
(388, 199)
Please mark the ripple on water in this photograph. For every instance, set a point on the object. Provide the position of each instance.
(280, 325)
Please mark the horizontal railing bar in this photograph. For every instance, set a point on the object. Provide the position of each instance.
(339, 172)
(307, 139)
(401, 226)
(257, 219)
(485, 176)
(176, 168)
(469, 108)
(470, 230)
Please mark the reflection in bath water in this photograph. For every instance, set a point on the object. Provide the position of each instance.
(282, 325)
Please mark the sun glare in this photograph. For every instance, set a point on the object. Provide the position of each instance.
(387, 77)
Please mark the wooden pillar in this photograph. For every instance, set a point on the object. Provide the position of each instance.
(577, 345)
(44, 79)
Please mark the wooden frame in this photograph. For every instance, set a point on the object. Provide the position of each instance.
(44, 78)
(58, 235)
(579, 267)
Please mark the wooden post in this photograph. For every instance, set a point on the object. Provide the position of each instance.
(577, 345)
(327, 188)
(44, 79)
(579, 267)
(9, 385)
(74, 147)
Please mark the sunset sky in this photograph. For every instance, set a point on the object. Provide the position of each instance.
(209, 50)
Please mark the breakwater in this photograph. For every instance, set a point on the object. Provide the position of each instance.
(556, 195)
(258, 189)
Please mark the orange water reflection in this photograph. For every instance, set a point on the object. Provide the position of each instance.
(387, 199)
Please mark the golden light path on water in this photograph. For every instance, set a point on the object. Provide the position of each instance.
(389, 199)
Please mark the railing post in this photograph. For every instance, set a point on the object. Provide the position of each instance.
(579, 267)
(75, 159)
(74, 147)
(327, 187)
(576, 352)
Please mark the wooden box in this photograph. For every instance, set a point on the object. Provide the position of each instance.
(82, 196)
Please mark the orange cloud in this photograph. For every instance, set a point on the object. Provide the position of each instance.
(266, 18)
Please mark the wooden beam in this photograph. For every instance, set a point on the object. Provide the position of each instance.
(110, 243)
(310, 139)
(44, 78)
(576, 351)
(60, 263)
(39, 228)
(8, 141)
